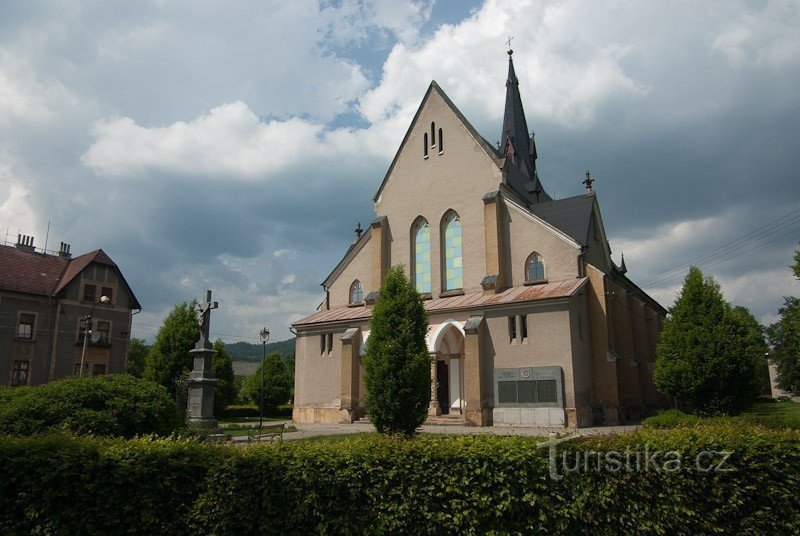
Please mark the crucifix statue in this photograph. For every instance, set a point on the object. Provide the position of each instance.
(200, 403)
(204, 310)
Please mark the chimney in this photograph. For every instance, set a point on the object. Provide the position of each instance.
(25, 243)
(64, 251)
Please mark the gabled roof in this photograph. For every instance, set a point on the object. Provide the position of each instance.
(572, 216)
(354, 248)
(32, 273)
(434, 87)
(48, 275)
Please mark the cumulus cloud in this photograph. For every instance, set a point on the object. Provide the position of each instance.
(236, 148)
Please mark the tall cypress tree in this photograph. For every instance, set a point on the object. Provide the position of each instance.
(709, 353)
(397, 368)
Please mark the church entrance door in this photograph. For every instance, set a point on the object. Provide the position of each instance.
(443, 385)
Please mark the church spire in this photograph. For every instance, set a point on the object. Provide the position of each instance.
(518, 146)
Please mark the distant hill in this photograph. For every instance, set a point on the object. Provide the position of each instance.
(245, 351)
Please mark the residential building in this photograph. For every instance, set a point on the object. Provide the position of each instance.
(43, 301)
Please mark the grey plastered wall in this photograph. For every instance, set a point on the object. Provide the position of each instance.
(36, 351)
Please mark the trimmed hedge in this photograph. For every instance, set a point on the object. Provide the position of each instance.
(378, 484)
(119, 405)
(249, 410)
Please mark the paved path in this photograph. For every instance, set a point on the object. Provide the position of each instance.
(313, 430)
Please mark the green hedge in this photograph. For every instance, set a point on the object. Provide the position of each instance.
(375, 484)
(119, 405)
(249, 410)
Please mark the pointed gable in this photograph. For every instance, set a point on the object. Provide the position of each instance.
(435, 89)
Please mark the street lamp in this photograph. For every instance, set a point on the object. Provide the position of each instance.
(264, 335)
(87, 329)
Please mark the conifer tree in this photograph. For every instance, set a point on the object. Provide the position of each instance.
(709, 353)
(397, 368)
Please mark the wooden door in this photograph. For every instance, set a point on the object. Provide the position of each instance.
(443, 386)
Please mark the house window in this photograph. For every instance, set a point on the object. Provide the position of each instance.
(356, 292)
(523, 327)
(534, 268)
(25, 326)
(422, 256)
(108, 292)
(425, 146)
(104, 329)
(89, 292)
(19, 373)
(441, 142)
(512, 328)
(99, 369)
(452, 252)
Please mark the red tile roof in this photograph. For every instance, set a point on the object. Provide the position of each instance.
(32, 273)
(47, 275)
(473, 300)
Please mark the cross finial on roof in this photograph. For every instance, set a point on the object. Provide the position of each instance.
(359, 230)
(588, 180)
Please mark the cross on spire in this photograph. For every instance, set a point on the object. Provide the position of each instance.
(204, 310)
(508, 42)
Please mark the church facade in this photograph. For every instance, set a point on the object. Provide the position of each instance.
(530, 320)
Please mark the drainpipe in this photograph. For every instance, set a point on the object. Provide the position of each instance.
(581, 271)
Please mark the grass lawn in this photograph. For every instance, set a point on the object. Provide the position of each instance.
(777, 415)
(236, 420)
(242, 429)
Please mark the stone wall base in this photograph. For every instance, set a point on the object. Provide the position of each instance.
(478, 417)
(545, 417)
(314, 414)
(580, 417)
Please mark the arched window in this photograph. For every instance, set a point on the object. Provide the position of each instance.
(425, 145)
(452, 253)
(421, 255)
(534, 267)
(433, 134)
(441, 142)
(356, 292)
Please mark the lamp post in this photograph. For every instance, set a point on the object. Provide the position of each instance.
(264, 335)
(87, 329)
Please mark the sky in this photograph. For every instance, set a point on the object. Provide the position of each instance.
(234, 146)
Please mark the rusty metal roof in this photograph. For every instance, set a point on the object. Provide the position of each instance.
(472, 300)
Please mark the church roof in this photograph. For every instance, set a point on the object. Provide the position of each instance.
(572, 215)
(471, 300)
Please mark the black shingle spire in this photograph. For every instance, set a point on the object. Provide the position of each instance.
(518, 145)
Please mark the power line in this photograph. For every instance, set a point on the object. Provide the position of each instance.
(781, 227)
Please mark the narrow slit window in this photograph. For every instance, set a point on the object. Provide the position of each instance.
(433, 134)
(523, 326)
(425, 146)
(512, 328)
(441, 142)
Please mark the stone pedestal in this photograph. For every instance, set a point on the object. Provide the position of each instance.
(201, 383)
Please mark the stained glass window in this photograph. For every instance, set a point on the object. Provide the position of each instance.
(535, 267)
(452, 252)
(356, 292)
(422, 257)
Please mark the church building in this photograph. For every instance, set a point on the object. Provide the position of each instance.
(530, 321)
